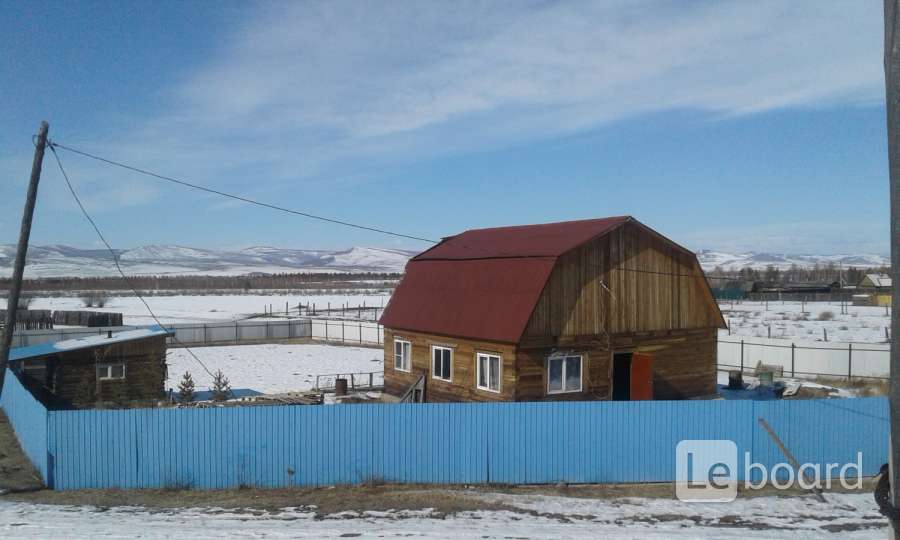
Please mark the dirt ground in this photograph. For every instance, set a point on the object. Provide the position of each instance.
(16, 472)
(444, 500)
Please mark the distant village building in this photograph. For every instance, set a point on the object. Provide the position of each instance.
(583, 310)
(876, 282)
(111, 369)
(874, 290)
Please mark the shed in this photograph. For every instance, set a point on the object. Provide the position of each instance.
(579, 310)
(110, 369)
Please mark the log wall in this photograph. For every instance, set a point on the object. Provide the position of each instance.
(462, 386)
(74, 379)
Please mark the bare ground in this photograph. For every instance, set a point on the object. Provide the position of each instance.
(16, 472)
(442, 499)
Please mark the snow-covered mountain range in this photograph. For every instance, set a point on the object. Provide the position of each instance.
(58, 261)
(709, 259)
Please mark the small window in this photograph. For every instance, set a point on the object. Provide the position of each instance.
(563, 374)
(110, 372)
(488, 376)
(401, 354)
(441, 362)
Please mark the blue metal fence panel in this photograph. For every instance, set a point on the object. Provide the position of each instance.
(575, 442)
(28, 418)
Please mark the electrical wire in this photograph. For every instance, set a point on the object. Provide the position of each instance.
(53, 144)
(115, 256)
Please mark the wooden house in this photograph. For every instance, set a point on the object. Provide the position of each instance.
(110, 369)
(583, 310)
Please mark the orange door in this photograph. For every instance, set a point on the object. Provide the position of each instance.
(641, 377)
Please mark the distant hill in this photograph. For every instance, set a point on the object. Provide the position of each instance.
(65, 261)
(760, 260)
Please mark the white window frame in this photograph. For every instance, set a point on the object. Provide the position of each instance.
(435, 374)
(562, 358)
(499, 357)
(109, 367)
(408, 358)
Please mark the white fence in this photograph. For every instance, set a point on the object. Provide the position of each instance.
(806, 358)
(225, 333)
(796, 358)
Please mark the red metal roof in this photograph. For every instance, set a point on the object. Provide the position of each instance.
(490, 299)
(484, 283)
(544, 240)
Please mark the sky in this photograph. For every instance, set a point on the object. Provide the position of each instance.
(724, 125)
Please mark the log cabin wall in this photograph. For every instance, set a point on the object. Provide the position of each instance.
(462, 382)
(623, 282)
(75, 377)
(532, 383)
(684, 362)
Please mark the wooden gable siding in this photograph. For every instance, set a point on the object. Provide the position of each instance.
(462, 379)
(652, 285)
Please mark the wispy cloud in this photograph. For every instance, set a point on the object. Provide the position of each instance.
(321, 90)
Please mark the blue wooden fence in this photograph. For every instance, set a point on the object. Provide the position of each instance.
(29, 420)
(516, 443)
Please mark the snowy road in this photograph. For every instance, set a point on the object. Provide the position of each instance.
(845, 516)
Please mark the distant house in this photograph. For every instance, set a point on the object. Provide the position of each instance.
(111, 369)
(876, 282)
(878, 289)
(582, 310)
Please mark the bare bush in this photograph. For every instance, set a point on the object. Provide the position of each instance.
(25, 301)
(94, 299)
(825, 316)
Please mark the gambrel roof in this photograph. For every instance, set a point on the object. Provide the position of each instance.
(485, 283)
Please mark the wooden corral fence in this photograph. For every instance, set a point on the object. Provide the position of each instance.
(91, 319)
(30, 319)
(431, 443)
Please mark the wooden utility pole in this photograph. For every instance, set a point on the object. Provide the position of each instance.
(15, 288)
(892, 100)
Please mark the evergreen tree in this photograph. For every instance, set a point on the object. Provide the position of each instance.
(186, 388)
(221, 389)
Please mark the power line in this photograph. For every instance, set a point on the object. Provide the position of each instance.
(116, 257)
(53, 144)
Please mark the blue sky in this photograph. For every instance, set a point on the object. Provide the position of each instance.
(725, 125)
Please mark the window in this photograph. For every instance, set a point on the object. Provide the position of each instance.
(441, 362)
(488, 376)
(109, 372)
(563, 374)
(402, 354)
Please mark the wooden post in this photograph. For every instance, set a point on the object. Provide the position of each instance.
(791, 459)
(892, 100)
(742, 356)
(793, 347)
(15, 288)
(849, 361)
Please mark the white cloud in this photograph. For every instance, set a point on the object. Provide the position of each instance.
(332, 89)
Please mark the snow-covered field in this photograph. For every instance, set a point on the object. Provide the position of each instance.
(271, 368)
(850, 516)
(184, 309)
(806, 321)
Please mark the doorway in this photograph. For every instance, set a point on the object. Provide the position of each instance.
(621, 379)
